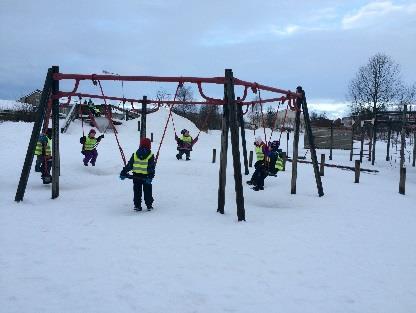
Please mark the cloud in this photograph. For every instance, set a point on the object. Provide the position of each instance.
(374, 12)
(332, 108)
(274, 42)
(286, 30)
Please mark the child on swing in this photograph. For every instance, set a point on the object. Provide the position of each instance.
(185, 144)
(89, 147)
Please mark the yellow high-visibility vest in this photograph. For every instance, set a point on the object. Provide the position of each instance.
(279, 164)
(48, 149)
(187, 139)
(259, 153)
(140, 166)
(89, 143)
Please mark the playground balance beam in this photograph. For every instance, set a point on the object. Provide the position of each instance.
(342, 167)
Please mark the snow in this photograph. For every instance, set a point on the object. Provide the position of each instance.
(352, 250)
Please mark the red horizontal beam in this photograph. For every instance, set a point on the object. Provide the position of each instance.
(162, 79)
(86, 95)
(170, 102)
(254, 86)
(175, 79)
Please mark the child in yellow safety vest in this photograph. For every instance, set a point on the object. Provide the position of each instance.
(43, 152)
(142, 164)
(185, 144)
(261, 165)
(89, 147)
(276, 161)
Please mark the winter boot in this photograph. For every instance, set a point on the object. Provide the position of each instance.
(137, 208)
(178, 157)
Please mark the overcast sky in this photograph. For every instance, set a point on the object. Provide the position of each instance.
(316, 44)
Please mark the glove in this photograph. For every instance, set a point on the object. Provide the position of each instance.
(122, 177)
(102, 136)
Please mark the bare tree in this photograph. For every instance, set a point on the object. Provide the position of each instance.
(163, 94)
(185, 94)
(376, 85)
(407, 96)
(209, 117)
(254, 114)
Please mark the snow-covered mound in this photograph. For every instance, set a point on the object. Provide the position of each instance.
(352, 250)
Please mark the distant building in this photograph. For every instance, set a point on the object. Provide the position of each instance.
(33, 98)
(347, 121)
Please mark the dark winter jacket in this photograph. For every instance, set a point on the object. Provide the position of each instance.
(142, 154)
(182, 145)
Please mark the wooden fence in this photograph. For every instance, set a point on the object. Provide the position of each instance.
(322, 135)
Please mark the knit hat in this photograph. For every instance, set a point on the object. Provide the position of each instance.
(258, 140)
(92, 131)
(145, 142)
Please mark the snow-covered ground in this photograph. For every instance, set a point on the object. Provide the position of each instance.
(353, 250)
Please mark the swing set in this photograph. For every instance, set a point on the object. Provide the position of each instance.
(232, 116)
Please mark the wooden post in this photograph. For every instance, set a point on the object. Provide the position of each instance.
(322, 165)
(362, 142)
(352, 140)
(223, 156)
(55, 136)
(235, 144)
(143, 119)
(295, 152)
(331, 140)
(284, 155)
(414, 149)
(214, 155)
(311, 142)
(250, 159)
(30, 153)
(138, 126)
(287, 142)
(370, 143)
(373, 157)
(388, 142)
(357, 171)
(402, 183)
(151, 137)
(403, 137)
(243, 138)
